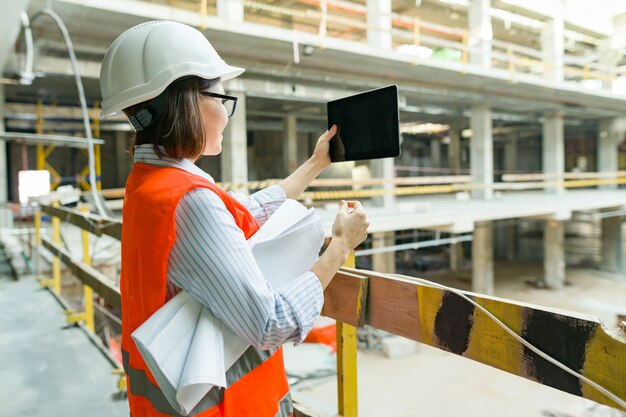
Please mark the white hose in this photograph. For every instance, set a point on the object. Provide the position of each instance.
(79, 86)
(27, 76)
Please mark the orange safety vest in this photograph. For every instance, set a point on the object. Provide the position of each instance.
(257, 384)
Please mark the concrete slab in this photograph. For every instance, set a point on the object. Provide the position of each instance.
(47, 370)
(446, 210)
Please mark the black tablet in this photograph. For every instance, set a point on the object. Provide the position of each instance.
(367, 125)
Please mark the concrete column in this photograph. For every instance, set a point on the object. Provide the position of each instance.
(454, 150)
(456, 257)
(122, 143)
(609, 56)
(290, 144)
(384, 262)
(511, 242)
(553, 148)
(611, 49)
(481, 149)
(552, 48)
(609, 137)
(303, 151)
(510, 155)
(435, 153)
(6, 218)
(480, 33)
(554, 254)
(482, 258)
(4, 180)
(379, 23)
(235, 144)
(231, 10)
(612, 250)
(383, 168)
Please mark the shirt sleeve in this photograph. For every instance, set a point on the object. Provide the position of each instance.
(211, 260)
(263, 203)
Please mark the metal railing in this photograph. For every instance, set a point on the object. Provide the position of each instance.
(347, 20)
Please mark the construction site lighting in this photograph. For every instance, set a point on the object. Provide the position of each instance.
(33, 183)
(423, 128)
(416, 50)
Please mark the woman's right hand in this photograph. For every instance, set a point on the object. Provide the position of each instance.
(350, 226)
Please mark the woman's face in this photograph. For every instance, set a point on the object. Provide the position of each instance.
(214, 119)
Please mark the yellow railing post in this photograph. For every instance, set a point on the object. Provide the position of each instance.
(55, 282)
(88, 291)
(56, 262)
(87, 316)
(97, 162)
(346, 364)
(37, 221)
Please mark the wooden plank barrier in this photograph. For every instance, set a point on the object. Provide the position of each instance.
(91, 222)
(100, 283)
(444, 320)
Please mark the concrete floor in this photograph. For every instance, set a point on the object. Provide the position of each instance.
(47, 370)
(435, 383)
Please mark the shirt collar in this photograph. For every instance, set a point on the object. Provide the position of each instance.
(145, 153)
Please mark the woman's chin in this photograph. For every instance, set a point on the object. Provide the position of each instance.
(213, 151)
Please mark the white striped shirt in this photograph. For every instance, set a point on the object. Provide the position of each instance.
(212, 261)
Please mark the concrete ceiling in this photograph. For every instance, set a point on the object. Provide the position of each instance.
(438, 91)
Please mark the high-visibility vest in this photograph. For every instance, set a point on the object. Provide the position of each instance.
(257, 384)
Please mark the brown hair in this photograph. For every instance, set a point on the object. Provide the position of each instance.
(179, 128)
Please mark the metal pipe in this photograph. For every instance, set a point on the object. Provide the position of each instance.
(415, 245)
(81, 92)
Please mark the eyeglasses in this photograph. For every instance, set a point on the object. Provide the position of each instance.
(230, 102)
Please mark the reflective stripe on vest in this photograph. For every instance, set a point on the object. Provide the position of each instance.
(257, 384)
(139, 384)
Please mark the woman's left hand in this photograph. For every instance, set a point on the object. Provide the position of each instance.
(321, 155)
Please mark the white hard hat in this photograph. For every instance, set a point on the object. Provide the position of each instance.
(145, 59)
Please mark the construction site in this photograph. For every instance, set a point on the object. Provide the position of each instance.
(491, 282)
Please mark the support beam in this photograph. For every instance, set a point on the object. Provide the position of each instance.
(435, 153)
(552, 48)
(384, 262)
(510, 155)
(554, 254)
(231, 10)
(482, 258)
(611, 50)
(290, 144)
(481, 149)
(456, 257)
(611, 133)
(454, 150)
(383, 168)
(6, 219)
(480, 33)
(379, 23)
(4, 180)
(235, 144)
(553, 151)
(612, 245)
(511, 242)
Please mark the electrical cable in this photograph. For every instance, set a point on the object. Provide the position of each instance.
(81, 92)
(520, 339)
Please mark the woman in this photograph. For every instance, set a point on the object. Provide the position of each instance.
(181, 231)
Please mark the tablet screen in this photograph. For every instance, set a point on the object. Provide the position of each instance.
(367, 125)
